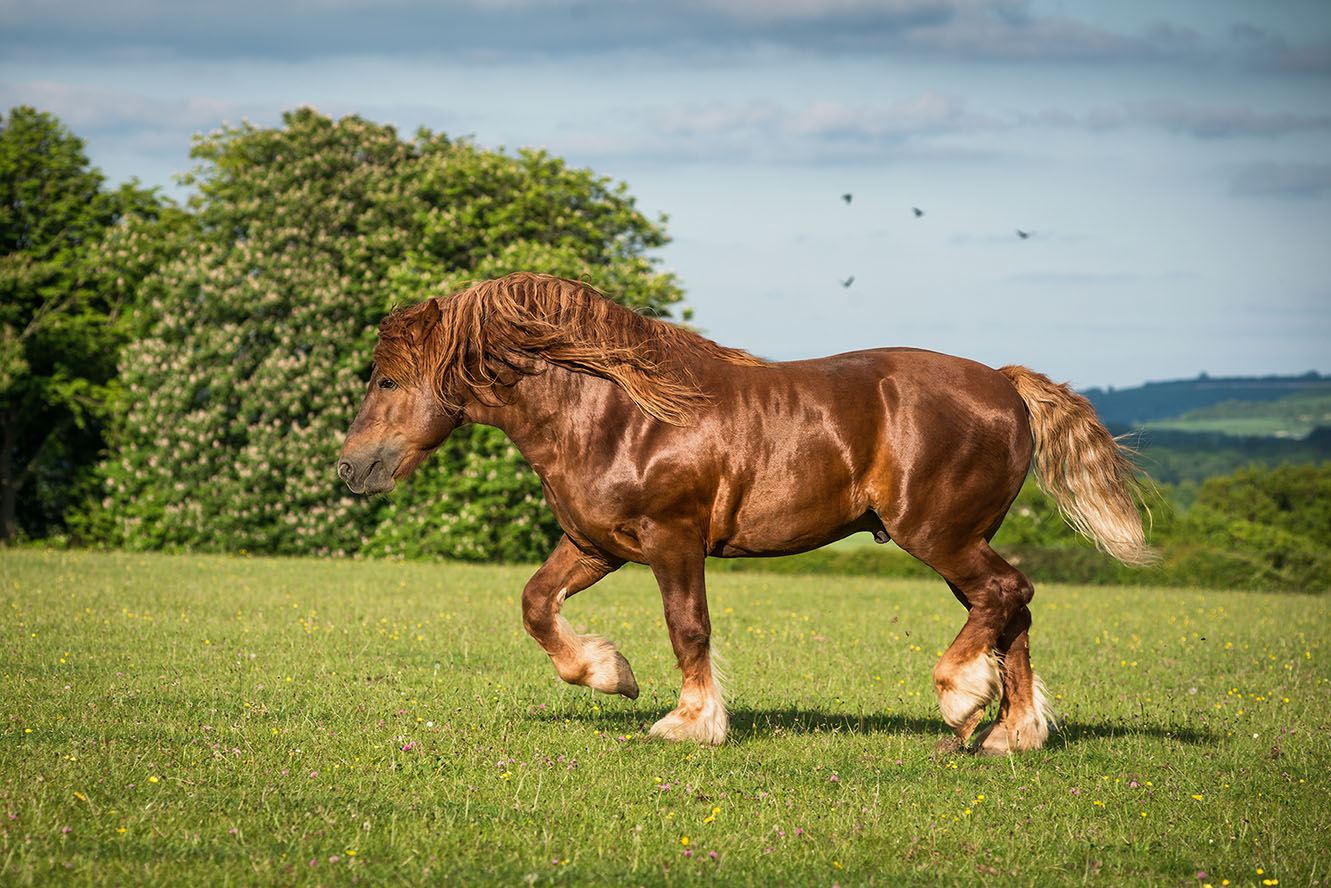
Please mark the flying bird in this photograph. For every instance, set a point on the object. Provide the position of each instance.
(917, 211)
(848, 281)
(1023, 234)
(847, 197)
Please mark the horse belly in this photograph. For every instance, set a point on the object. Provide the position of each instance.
(794, 540)
(794, 512)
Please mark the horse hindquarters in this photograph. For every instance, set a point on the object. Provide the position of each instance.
(953, 477)
(1089, 475)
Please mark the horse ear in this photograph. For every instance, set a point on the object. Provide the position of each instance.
(432, 312)
(430, 316)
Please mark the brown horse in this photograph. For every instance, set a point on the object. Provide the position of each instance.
(658, 446)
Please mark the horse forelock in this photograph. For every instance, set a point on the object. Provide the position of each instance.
(404, 335)
(486, 333)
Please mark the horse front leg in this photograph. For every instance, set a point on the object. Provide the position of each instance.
(701, 713)
(587, 660)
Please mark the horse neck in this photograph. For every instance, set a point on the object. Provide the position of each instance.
(546, 412)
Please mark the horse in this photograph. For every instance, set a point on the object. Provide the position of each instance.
(658, 446)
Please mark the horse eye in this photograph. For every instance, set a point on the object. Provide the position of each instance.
(386, 383)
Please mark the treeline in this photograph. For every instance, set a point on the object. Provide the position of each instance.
(179, 377)
(1186, 459)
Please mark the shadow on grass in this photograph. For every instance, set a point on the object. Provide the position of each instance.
(746, 724)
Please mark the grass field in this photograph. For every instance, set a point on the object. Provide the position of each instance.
(204, 720)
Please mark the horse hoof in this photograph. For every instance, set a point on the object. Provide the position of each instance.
(1025, 735)
(991, 742)
(607, 670)
(1019, 730)
(706, 727)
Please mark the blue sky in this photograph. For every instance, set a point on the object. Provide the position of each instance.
(1171, 160)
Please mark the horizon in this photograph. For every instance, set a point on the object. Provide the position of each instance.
(1169, 165)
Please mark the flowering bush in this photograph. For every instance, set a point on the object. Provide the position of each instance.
(258, 335)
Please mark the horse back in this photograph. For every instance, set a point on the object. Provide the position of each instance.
(805, 452)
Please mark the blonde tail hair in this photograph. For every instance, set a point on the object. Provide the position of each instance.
(1080, 464)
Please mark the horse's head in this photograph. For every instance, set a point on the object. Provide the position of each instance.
(402, 419)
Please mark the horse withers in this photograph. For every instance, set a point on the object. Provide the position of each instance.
(658, 446)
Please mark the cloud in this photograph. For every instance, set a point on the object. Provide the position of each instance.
(91, 108)
(832, 131)
(1201, 121)
(1299, 180)
(1264, 49)
(920, 128)
(930, 113)
(825, 131)
(968, 30)
(1010, 31)
(469, 29)
(1228, 121)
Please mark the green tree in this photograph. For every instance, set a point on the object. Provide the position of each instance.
(63, 315)
(239, 392)
(1293, 498)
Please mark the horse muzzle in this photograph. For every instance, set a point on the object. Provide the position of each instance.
(367, 475)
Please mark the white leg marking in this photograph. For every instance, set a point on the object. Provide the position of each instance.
(1020, 733)
(700, 716)
(969, 689)
(592, 661)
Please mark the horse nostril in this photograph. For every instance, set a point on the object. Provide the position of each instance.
(344, 470)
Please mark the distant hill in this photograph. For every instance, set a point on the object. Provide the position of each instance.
(1176, 457)
(1133, 407)
(1293, 416)
(1188, 430)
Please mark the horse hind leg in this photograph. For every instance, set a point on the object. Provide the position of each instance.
(587, 660)
(970, 675)
(1024, 718)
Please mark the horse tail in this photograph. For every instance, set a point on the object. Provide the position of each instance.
(1083, 467)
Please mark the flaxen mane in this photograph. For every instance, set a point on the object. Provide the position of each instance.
(484, 336)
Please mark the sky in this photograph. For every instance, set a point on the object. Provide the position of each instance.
(1171, 161)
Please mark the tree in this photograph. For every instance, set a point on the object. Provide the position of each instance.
(1294, 498)
(63, 315)
(239, 393)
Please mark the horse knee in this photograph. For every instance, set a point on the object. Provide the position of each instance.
(1027, 590)
(538, 612)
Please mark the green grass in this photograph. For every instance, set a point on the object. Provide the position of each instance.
(205, 720)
